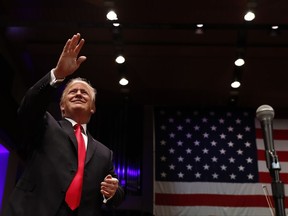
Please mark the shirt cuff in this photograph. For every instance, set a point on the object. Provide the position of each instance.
(106, 199)
(53, 81)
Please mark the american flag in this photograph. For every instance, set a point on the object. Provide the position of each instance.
(212, 162)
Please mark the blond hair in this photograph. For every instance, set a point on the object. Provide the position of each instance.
(92, 91)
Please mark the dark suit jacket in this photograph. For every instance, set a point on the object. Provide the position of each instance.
(51, 155)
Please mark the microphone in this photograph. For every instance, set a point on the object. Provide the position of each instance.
(265, 114)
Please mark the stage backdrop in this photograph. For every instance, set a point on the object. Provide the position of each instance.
(212, 162)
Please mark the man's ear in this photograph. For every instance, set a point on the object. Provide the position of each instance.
(93, 109)
(61, 108)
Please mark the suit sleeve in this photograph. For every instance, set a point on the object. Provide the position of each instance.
(32, 111)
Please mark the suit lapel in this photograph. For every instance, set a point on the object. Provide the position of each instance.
(67, 127)
(91, 147)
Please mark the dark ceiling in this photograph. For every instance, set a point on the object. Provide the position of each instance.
(167, 63)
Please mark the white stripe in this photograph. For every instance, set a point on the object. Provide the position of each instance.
(263, 168)
(278, 124)
(279, 145)
(212, 188)
(209, 211)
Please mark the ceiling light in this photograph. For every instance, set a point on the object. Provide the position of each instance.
(111, 15)
(120, 59)
(249, 16)
(274, 31)
(235, 84)
(199, 30)
(123, 81)
(239, 62)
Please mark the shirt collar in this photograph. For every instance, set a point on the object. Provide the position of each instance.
(84, 126)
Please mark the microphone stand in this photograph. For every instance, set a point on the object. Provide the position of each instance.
(276, 185)
(274, 168)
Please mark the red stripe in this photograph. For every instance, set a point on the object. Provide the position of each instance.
(282, 155)
(211, 200)
(264, 177)
(277, 134)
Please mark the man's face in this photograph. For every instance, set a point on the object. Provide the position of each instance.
(78, 100)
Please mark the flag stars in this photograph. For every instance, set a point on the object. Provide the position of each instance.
(238, 121)
(189, 167)
(248, 129)
(216, 147)
(198, 175)
(230, 144)
(230, 129)
(233, 176)
(223, 167)
(240, 152)
(247, 144)
(221, 121)
(171, 151)
(222, 151)
(188, 120)
(215, 176)
(180, 175)
(196, 143)
(214, 159)
(206, 135)
(172, 167)
(204, 120)
(239, 136)
(206, 167)
(250, 176)
(213, 128)
(241, 168)
(231, 160)
(249, 160)
(205, 151)
(222, 136)
(172, 135)
(213, 143)
(188, 151)
(188, 135)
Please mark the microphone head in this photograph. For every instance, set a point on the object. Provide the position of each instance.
(265, 112)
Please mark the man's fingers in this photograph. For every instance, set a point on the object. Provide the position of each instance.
(67, 45)
(79, 46)
(74, 41)
(81, 59)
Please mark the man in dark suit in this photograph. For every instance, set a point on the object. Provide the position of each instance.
(52, 149)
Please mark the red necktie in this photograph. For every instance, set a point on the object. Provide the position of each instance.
(73, 194)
